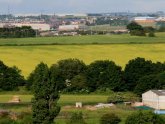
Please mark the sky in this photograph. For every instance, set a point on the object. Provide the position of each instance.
(80, 6)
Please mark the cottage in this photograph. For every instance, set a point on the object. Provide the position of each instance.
(154, 99)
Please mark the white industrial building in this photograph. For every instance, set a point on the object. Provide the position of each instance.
(144, 20)
(68, 27)
(154, 99)
(35, 26)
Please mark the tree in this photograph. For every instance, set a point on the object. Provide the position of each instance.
(145, 117)
(46, 95)
(69, 69)
(151, 34)
(134, 70)
(110, 118)
(136, 29)
(104, 74)
(76, 118)
(138, 68)
(10, 78)
(149, 82)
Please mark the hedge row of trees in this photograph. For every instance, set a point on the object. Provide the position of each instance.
(75, 76)
(17, 32)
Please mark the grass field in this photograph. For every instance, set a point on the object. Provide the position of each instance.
(64, 99)
(27, 57)
(68, 102)
(94, 39)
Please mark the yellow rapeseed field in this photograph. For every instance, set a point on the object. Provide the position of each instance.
(27, 57)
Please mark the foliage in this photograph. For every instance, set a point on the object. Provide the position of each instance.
(7, 121)
(71, 71)
(10, 78)
(161, 26)
(149, 29)
(71, 67)
(151, 34)
(145, 117)
(119, 97)
(139, 67)
(104, 74)
(76, 118)
(110, 118)
(17, 32)
(136, 29)
(44, 103)
(148, 82)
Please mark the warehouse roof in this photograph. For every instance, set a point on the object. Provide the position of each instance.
(159, 92)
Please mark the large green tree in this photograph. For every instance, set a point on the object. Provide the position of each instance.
(69, 71)
(135, 69)
(145, 117)
(136, 29)
(10, 78)
(139, 67)
(149, 82)
(110, 118)
(46, 95)
(104, 74)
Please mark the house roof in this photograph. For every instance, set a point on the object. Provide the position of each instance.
(159, 92)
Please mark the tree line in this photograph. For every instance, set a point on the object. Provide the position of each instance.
(74, 76)
(17, 32)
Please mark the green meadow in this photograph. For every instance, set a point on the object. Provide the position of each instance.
(67, 103)
(64, 99)
(88, 39)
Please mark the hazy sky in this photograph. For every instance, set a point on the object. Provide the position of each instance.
(80, 6)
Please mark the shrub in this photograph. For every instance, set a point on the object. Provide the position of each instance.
(145, 117)
(7, 121)
(122, 97)
(110, 118)
(151, 34)
(76, 118)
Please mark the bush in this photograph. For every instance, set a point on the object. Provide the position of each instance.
(122, 97)
(110, 118)
(76, 118)
(7, 121)
(145, 117)
(151, 34)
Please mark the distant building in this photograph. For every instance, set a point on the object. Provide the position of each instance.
(154, 99)
(144, 20)
(35, 26)
(160, 19)
(68, 27)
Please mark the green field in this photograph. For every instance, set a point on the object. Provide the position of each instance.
(68, 102)
(64, 99)
(94, 39)
(27, 57)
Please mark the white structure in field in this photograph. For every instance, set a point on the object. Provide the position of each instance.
(154, 99)
(78, 104)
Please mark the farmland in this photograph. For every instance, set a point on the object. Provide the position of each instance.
(27, 57)
(94, 39)
(68, 102)
(26, 53)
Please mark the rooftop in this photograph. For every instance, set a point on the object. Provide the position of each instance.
(159, 92)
